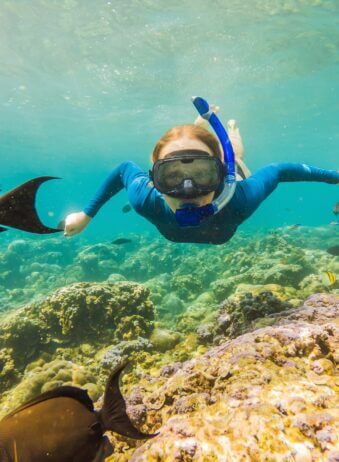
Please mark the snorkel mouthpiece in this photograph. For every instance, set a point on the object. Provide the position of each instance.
(192, 215)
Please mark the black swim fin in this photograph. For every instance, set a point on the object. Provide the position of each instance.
(113, 413)
(17, 208)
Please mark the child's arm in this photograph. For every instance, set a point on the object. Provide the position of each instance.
(123, 176)
(120, 177)
(261, 184)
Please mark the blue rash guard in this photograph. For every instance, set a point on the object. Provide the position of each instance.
(217, 229)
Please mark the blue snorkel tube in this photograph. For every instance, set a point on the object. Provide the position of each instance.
(192, 215)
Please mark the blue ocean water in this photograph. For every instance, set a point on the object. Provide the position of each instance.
(86, 85)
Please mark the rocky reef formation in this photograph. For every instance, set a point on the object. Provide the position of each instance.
(293, 260)
(222, 356)
(76, 321)
(267, 395)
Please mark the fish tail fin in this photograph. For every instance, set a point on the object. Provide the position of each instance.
(17, 208)
(15, 451)
(113, 414)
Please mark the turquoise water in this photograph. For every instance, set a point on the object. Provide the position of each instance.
(86, 85)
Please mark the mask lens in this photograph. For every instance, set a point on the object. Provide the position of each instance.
(170, 174)
(203, 172)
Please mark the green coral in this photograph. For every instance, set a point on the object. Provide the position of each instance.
(44, 376)
(237, 313)
(98, 314)
(86, 312)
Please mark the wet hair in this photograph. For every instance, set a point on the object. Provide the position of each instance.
(190, 131)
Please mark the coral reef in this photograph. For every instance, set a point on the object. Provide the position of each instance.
(275, 386)
(98, 314)
(41, 376)
(237, 313)
(123, 351)
(217, 341)
(30, 268)
(163, 339)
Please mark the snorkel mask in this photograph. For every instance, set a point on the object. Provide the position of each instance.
(191, 173)
(188, 173)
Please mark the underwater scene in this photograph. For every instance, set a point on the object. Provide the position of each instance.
(169, 271)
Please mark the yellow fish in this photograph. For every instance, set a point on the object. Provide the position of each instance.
(331, 277)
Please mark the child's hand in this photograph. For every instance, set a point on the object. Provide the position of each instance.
(75, 223)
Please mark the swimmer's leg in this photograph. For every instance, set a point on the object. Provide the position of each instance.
(234, 134)
(238, 147)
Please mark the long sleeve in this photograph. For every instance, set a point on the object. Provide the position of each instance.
(121, 177)
(255, 189)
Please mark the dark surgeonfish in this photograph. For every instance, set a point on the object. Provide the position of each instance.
(333, 250)
(126, 208)
(62, 426)
(336, 209)
(121, 241)
(17, 208)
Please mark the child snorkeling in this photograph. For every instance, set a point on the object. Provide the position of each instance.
(192, 193)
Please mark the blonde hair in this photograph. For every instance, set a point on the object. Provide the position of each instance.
(191, 131)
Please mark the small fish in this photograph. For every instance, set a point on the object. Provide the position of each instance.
(295, 226)
(336, 209)
(121, 241)
(334, 223)
(17, 208)
(333, 250)
(126, 208)
(62, 425)
(330, 278)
